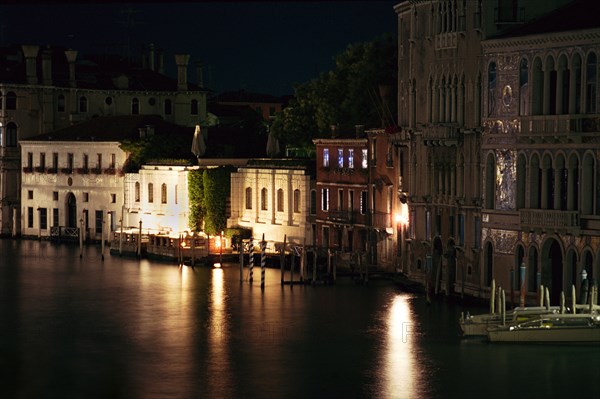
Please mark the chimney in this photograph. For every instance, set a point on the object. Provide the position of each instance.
(71, 58)
(47, 67)
(160, 54)
(182, 62)
(30, 52)
(334, 129)
(360, 130)
(151, 60)
(199, 75)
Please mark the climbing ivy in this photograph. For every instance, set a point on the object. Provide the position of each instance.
(208, 192)
(196, 198)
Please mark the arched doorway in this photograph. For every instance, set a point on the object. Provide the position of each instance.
(450, 267)
(71, 211)
(552, 269)
(437, 262)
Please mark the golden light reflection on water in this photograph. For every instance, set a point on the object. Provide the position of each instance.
(400, 363)
(218, 330)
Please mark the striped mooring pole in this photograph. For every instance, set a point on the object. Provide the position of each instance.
(263, 259)
(251, 260)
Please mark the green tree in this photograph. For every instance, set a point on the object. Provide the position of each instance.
(346, 96)
(196, 198)
(216, 187)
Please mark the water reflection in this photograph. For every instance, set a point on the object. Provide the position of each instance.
(401, 377)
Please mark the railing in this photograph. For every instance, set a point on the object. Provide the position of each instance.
(381, 219)
(342, 216)
(446, 40)
(548, 219)
(439, 133)
(63, 232)
(559, 124)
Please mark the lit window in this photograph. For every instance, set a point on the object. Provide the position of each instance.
(340, 157)
(248, 198)
(163, 193)
(137, 192)
(263, 199)
(325, 157)
(297, 201)
(325, 199)
(351, 158)
(365, 160)
(280, 200)
(150, 192)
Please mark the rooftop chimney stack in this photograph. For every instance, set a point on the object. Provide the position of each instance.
(151, 59)
(182, 62)
(199, 74)
(160, 54)
(360, 130)
(30, 52)
(71, 58)
(47, 67)
(334, 129)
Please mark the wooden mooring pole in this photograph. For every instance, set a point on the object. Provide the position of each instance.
(251, 260)
(241, 260)
(282, 258)
(263, 261)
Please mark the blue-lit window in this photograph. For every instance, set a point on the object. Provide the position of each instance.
(365, 160)
(340, 157)
(351, 158)
(325, 199)
(325, 157)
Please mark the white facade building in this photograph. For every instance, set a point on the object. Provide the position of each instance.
(274, 199)
(158, 196)
(65, 184)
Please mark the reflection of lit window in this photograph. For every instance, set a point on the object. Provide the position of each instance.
(365, 161)
(351, 158)
(325, 157)
(340, 158)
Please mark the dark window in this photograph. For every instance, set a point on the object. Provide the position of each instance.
(43, 218)
(55, 217)
(99, 220)
(108, 100)
(135, 106)
(263, 199)
(83, 104)
(30, 217)
(280, 200)
(137, 192)
(163, 193)
(313, 202)
(297, 201)
(194, 107)
(150, 192)
(248, 198)
(60, 103)
(11, 100)
(168, 107)
(11, 135)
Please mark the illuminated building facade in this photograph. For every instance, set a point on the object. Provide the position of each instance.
(441, 97)
(357, 199)
(541, 153)
(274, 197)
(77, 175)
(43, 89)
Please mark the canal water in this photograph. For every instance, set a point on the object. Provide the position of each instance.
(74, 327)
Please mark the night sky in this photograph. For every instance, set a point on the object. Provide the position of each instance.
(263, 47)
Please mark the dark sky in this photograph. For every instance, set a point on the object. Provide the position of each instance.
(258, 46)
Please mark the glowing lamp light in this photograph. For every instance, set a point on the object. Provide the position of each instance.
(217, 265)
(402, 216)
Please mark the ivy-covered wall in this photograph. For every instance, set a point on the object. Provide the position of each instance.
(208, 193)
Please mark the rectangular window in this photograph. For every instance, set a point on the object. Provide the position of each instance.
(477, 232)
(43, 218)
(30, 160)
(364, 202)
(413, 217)
(263, 199)
(365, 160)
(70, 161)
(340, 199)
(55, 195)
(42, 161)
(99, 162)
(351, 200)
(55, 217)
(30, 217)
(461, 229)
(351, 158)
(30, 194)
(55, 161)
(325, 157)
(280, 200)
(313, 202)
(113, 198)
(428, 225)
(86, 197)
(340, 158)
(113, 161)
(296, 201)
(99, 220)
(325, 199)
(248, 198)
(85, 161)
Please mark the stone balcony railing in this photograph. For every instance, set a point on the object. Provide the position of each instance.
(549, 220)
(571, 126)
(440, 135)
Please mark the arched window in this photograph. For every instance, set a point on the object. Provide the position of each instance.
(194, 107)
(248, 197)
(523, 88)
(150, 192)
(135, 106)
(168, 107)
(263, 199)
(280, 200)
(163, 193)
(587, 185)
(590, 84)
(83, 104)
(11, 100)
(573, 183)
(537, 100)
(60, 103)
(575, 92)
(11, 135)
(535, 183)
(137, 191)
(296, 201)
(492, 89)
(532, 270)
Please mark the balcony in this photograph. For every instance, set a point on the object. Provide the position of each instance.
(561, 128)
(381, 220)
(549, 220)
(437, 135)
(447, 40)
(346, 217)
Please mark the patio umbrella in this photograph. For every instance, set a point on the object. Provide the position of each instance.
(198, 144)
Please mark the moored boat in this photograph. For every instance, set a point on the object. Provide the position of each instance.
(561, 327)
(477, 325)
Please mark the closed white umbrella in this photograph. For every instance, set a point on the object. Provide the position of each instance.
(198, 144)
